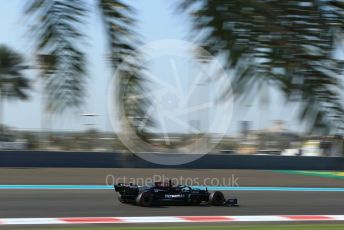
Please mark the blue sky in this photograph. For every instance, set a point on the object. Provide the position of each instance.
(157, 21)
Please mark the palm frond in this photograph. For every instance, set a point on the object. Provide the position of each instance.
(288, 43)
(13, 84)
(57, 29)
(123, 42)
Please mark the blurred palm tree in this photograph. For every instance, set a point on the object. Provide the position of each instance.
(57, 30)
(59, 33)
(288, 44)
(119, 21)
(13, 84)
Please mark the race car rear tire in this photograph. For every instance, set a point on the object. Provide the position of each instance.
(217, 198)
(144, 199)
(120, 199)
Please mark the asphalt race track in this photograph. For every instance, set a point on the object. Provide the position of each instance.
(75, 203)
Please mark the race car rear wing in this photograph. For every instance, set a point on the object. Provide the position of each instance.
(120, 187)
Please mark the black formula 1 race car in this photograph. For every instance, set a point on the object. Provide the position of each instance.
(162, 193)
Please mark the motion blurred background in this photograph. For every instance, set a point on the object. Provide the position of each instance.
(84, 84)
(284, 60)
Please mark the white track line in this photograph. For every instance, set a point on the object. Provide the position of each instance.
(166, 219)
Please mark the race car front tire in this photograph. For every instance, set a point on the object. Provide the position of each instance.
(217, 198)
(144, 199)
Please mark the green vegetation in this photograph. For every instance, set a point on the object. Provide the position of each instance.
(328, 174)
(55, 28)
(290, 45)
(58, 27)
(220, 227)
(13, 83)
